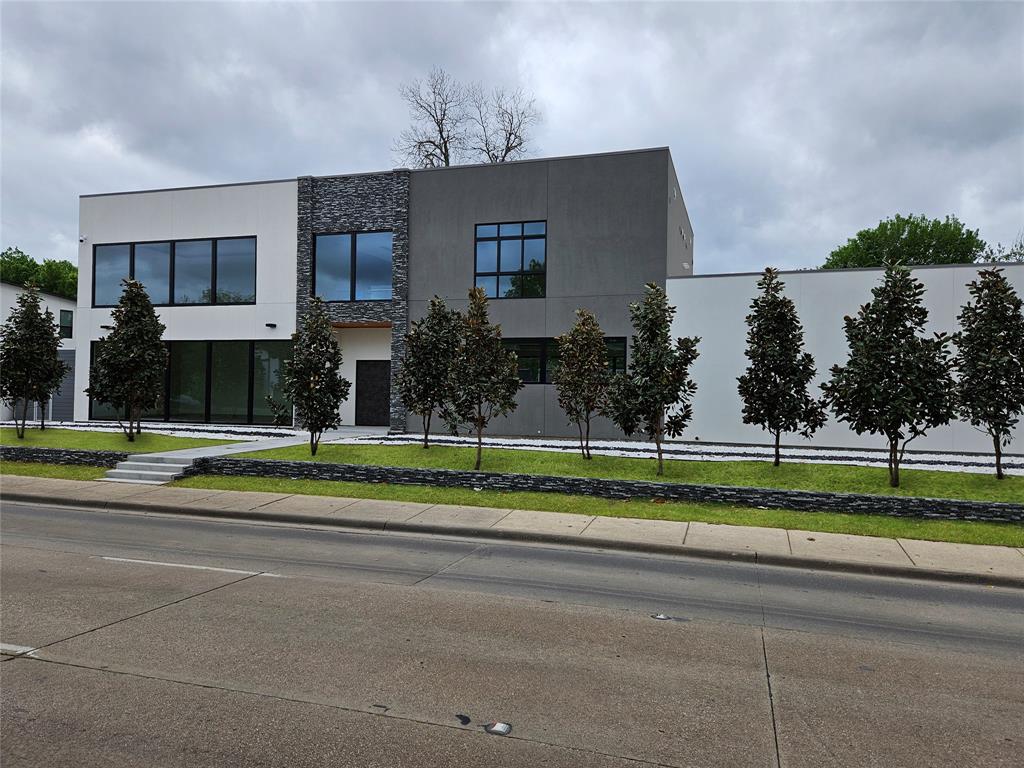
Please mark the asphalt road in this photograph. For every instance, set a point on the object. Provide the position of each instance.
(304, 646)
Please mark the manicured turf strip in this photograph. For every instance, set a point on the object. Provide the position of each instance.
(1006, 534)
(759, 474)
(74, 439)
(62, 471)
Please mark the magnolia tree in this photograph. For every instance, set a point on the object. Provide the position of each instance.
(30, 370)
(425, 378)
(655, 393)
(582, 374)
(896, 382)
(130, 363)
(484, 378)
(312, 379)
(990, 359)
(774, 386)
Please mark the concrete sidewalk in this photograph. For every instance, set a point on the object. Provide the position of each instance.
(773, 546)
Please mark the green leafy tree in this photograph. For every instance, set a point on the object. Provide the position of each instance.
(990, 359)
(582, 374)
(312, 379)
(656, 391)
(128, 368)
(59, 278)
(425, 378)
(30, 370)
(774, 386)
(485, 377)
(896, 382)
(17, 267)
(910, 241)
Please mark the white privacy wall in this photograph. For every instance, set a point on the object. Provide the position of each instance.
(714, 307)
(267, 210)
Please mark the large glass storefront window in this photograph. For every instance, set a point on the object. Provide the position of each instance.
(269, 358)
(187, 390)
(229, 382)
(220, 382)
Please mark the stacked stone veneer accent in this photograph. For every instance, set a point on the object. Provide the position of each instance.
(360, 203)
(62, 456)
(897, 506)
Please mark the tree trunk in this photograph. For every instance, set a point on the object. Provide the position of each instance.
(894, 464)
(659, 434)
(19, 424)
(479, 444)
(999, 457)
(42, 416)
(776, 463)
(583, 447)
(314, 443)
(588, 437)
(426, 428)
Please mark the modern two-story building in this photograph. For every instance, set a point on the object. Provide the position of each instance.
(232, 268)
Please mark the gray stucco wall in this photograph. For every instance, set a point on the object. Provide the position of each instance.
(359, 203)
(607, 223)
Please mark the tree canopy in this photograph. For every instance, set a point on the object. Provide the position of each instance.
(896, 382)
(425, 377)
(582, 374)
(130, 363)
(910, 241)
(30, 370)
(990, 359)
(485, 376)
(654, 394)
(774, 386)
(312, 379)
(59, 278)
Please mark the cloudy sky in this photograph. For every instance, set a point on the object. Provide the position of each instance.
(791, 125)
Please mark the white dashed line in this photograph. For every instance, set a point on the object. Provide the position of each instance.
(193, 567)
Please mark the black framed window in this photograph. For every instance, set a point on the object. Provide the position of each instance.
(352, 266)
(180, 272)
(538, 358)
(511, 259)
(110, 265)
(67, 320)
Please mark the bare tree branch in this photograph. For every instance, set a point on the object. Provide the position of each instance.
(437, 108)
(501, 123)
(453, 123)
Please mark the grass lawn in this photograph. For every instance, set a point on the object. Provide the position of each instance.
(808, 477)
(1005, 534)
(62, 471)
(101, 441)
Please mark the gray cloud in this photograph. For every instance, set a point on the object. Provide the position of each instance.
(792, 126)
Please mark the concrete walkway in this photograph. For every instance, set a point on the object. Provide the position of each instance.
(773, 546)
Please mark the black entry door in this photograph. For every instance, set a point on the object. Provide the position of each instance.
(373, 393)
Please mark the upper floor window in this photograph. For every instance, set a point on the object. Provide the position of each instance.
(352, 266)
(67, 318)
(211, 271)
(511, 259)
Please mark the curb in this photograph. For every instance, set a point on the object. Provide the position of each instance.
(483, 532)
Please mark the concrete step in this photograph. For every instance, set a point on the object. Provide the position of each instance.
(135, 474)
(149, 458)
(136, 482)
(146, 466)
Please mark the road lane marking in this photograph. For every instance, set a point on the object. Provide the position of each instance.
(193, 567)
(17, 650)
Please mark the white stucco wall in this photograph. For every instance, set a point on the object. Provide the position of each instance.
(359, 344)
(266, 210)
(714, 307)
